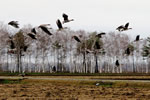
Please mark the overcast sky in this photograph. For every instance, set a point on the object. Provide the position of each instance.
(89, 15)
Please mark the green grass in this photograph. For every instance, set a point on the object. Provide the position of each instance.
(105, 84)
(10, 81)
(8, 74)
(87, 74)
(118, 84)
(75, 74)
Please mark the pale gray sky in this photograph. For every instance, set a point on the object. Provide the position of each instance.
(90, 15)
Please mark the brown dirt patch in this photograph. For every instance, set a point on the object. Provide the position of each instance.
(69, 90)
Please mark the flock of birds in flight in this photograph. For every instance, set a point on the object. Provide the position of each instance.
(45, 29)
(44, 26)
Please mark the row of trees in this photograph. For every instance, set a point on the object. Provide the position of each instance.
(62, 53)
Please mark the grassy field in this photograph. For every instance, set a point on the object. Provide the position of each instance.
(28, 89)
(76, 74)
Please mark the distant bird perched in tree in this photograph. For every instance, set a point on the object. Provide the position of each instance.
(117, 63)
(54, 69)
(123, 27)
(12, 44)
(97, 45)
(33, 30)
(65, 16)
(45, 29)
(25, 48)
(32, 36)
(14, 24)
(100, 34)
(127, 51)
(76, 38)
(58, 22)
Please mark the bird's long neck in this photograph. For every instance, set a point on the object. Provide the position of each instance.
(129, 28)
(71, 20)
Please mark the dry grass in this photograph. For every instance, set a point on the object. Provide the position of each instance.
(74, 90)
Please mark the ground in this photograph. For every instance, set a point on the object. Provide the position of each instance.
(57, 89)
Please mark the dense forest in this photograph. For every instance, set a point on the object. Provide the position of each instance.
(71, 51)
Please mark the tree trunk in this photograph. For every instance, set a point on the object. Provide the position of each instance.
(133, 65)
(58, 69)
(43, 61)
(19, 69)
(7, 69)
(20, 63)
(84, 62)
(96, 63)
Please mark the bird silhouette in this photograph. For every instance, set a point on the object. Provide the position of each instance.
(45, 29)
(127, 51)
(126, 27)
(100, 34)
(137, 38)
(58, 22)
(117, 63)
(54, 69)
(32, 36)
(65, 16)
(12, 44)
(25, 48)
(14, 24)
(97, 45)
(76, 38)
(33, 30)
(123, 27)
(120, 28)
(97, 84)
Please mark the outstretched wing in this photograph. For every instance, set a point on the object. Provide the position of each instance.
(126, 25)
(46, 30)
(33, 30)
(32, 36)
(14, 24)
(137, 38)
(76, 38)
(100, 34)
(59, 24)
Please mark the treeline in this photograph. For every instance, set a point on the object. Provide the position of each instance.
(60, 52)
